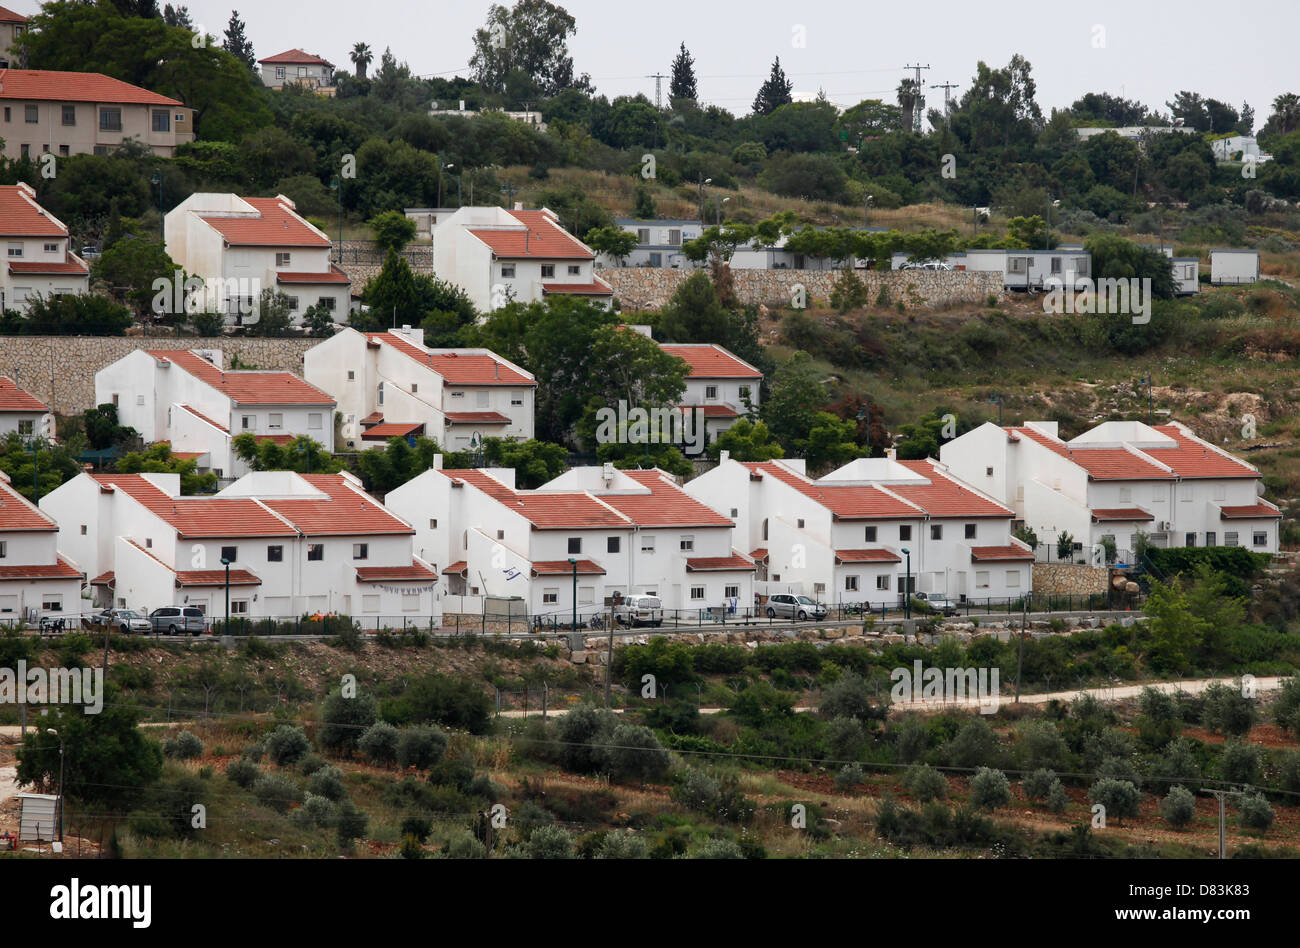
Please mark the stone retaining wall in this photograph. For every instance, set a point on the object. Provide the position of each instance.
(647, 288)
(60, 370)
(1070, 579)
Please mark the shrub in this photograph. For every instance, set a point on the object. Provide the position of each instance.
(911, 739)
(975, 745)
(634, 753)
(1119, 797)
(345, 720)
(317, 811)
(845, 738)
(1227, 710)
(1038, 785)
(1255, 812)
(989, 789)
(328, 782)
(462, 845)
(417, 827)
(1288, 770)
(352, 823)
(1286, 706)
(1240, 762)
(1057, 799)
(622, 845)
(1177, 763)
(379, 742)
(1041, 745)
(718, 849)
(287, 745)
(253, 752)
(420, 747)
(925, 783)
(243, 772)
(848, 777)
(277, 792)
(582, 733)
(1178, 808)
(310, 764)
(549, 842)
(849, 696)
(697, 791)
(184, 746)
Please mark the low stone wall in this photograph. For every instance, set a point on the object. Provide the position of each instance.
(647, 288)
(60, 370)
(1070, 579)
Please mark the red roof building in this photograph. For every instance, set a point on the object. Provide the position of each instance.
(40, 261)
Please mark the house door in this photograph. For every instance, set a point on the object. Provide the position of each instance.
(904, 588)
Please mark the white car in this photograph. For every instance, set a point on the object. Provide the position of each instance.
(640, 610)
(938, 602)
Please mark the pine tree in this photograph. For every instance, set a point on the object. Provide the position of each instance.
(683, 82)
(775, 92)
(237, 42)
(178, 16)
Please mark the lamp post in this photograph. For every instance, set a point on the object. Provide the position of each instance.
(441, 169)
(51, 730)
(703, 182)
(907, 586)
(336, 184)
(226, 563)
(156, 178)
(574, 563)
(866, 213)
(724, 201)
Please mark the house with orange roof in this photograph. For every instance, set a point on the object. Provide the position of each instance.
(498, 256)
(186, 398)
(294, 67)
(38, 253)
(36, 580)
(859, 534)
(296, 545)
(47, 112)
(12, 26)
(391, 385)
(240, 246)
(1117, 483)
(23, 412)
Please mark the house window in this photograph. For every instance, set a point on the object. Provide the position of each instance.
(850, 584)
(275, 554)
(799, 522)
(550, 596)
(148, 543)
(970, 531)
(674, 238)
(32, 114)
(612, 544)
(51, 602)
(139, 399)
(54, 248)
(7, 113)
(457, 394)
(574, 270)
(379, 394)
(575, 545)
(110, 120)
(414, 388)
(482, 399)
(281, 259)
(869, 534)
(239, 607)
(1125, 495)
(735, 512)
(1211, 538)
(15, 250)
(410, 600)
(275, 420)
(315, 552)
(230, 553)
(4, 549)
(1191, 539)
(936, 531)
(647, 543)
(988, 472)
(501, 535)
(1013, 578)
(370, 604)
(328, 302)
(314, 420)
(361, 551)
(643, 235)
(279, 72)
(433, 523)
(1220, 492)
(83, 529)
(982, 579)
(905, 532)
(548, 271)
(351, 375)
(697, 592)
(516, 399)
(731, 592)
(65, 151)
(248, 422)
(1260, 538)
(100, 150)
(508, 271)
(162, 120)
(1056, 264)
(710, 391)
(27, 428)
(292, 302)
(882, 582)
(687, 544)
(69, 115)
(1231, 538)
(1018, 265)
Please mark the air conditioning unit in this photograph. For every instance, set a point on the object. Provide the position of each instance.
(1163, 525)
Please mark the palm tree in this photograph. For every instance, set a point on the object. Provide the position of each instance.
(361, 58)
(1286, 111)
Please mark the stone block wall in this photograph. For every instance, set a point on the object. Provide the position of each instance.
(1070, 579)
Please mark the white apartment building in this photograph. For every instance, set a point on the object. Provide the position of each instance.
(38, 256)
(24, 413)
(389, 384)
(182, 396)
(297, 545)
(1116, 481)
(658, 243)
(1022, 269)
(626, 532)
(498, 256)
(239, 247)
(721, 386)
(858, 534)
(35, 579)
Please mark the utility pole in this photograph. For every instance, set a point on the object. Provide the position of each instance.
(609, 656)
(1223, 838)
(1020, 650)
(659, 81)
(920, 99)
(947, 88)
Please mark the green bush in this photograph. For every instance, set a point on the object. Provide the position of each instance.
(345, 720)
(989, 789)
(848, 777)
(310, 764)
(253, 752)
(184, 746)
(1038, 784)
(849, 696)
(417, 827)
(379, 743)
(1288, 770)
(845, 739)
(1178, 808)
(243, 772)
(351, 824)
(975, 745)
(1240, 762)
(634, 753)
(1119, 797)
(1177, 763)
(461, 845)
(440, 699)
(287, 745)
(1227, 710)
(420, 747)
(582, 734)
(622, 845)
(327, 782)
(925, 783)
(317, 811)
(549, 842)
(277, 792)
(718, 849)
(1057, 799)
(1255, 812)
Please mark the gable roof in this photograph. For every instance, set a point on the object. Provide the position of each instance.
(1193, 458)
(17, 513)
(844, 501)
(48, 85)
(667, 505)
(709, 361)
(198, 517)
(540, 238)
(1100, 464)
(275, 226)
(570, 510)
(245, 387)
(345, 511)
(297, 57)
(945, 496)
(21, 216)
(13, 398)
(9, 16)
(456, 367)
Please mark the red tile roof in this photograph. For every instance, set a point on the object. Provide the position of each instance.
(867, 556)
(710, 564)
(541, 238)
(379, 574)
(13, 398)
(711, 411)
(51, 86)
(477, 418)
(60, 570)
(275, 226)
(374, 418)
(1101, 464)
(456, 368)
(845, 502)
(546, 511)
(565, 568)
(999, 554)
(578, 289)
(393, 429)
(667, 505)
(945, 496)
(200, 517)
(18, 513)
(216, 577)
(1260, 511)
(202, 417)
(21, 216)
(103, 579)
(711, 361)
(56, 268)
(348, 511)
(759, 555)
(9, 16)
(246, 387)
(296, 57)
(1193, 459)
(1120, 513)
(459, 568)
(334, 275)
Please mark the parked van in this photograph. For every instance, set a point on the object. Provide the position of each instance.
(177, 619)
(640, 610)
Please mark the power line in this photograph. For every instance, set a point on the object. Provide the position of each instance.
(659, 81)
(918, 104)
(947, 88)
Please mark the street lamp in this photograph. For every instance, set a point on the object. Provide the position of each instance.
(226, 563)
(51, 730)
(336, 184)
(441, 169)
(866, 216)
(907, 586)
(703, 182)
(724, 201)
(574, 563)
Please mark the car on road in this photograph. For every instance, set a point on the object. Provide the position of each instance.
(122, 620)
(785, 605)
(640, 610)
(90, 252)
(937, 602)
(927, 265)
(176, 619)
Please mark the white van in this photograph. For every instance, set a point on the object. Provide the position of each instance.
(640, 610)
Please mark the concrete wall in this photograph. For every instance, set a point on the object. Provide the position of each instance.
(72, 361)
(650, 289)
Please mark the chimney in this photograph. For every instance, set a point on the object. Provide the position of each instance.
(607, 473)
(724, 456)
(891, 453)
(519, 205)
(437, 462)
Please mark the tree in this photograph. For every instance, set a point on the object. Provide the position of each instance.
(1119, 797)
(1064, 545)
(76, 314)
(1228, 711)
(747, 441)
(50, 465)
(274, 317)
(393, 231)
(683, 85)
(178, 16)
(830, 442)
(626, 367)
(102, 429)
(318, 320)
(989, 789)
(138, 272)
(528, 44)
(796, 397)
(158, 459)
(613, 242)
(345, 719)
(361, 57)
(237, 43)
(302, 455)
(390, 294)
(534, 462)
(383, 469)
(775, 92)
(1178, 808)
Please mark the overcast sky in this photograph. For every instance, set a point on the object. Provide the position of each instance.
(1140, 49)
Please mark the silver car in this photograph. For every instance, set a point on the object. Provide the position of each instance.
(938, 602)
(123, 620)
(790, 606)
(176, 619)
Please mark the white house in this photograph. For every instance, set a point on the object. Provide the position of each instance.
(427, 218)
(240, 246)
(721, 386)
(39, 260)
(1022, 269)
(1233, 266)
(527, 117)
(658, 242)
(389, 384)
(295, 67)
(182, 396)
(860, 533)
(23, 412)
(1115, 482)
(625, 532)
(297, 544)
(1239, 148)
(498, 256)
(35, 580)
